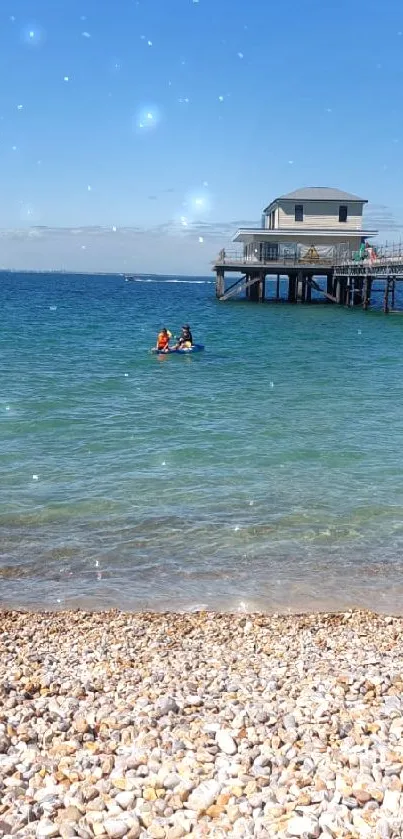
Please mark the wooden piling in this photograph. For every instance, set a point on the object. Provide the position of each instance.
(254, 289)
(393, 290)
(300, 287)
(262, 288)
(278, 287)
(386, 296)
(220, 283)
(292, 288)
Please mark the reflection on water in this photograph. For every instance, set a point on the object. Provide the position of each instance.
(262, 474)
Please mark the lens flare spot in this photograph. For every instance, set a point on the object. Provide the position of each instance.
(147, 119)
(33, 35)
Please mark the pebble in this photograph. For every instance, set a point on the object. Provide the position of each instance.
(304, 826)
(225, 742)
(46, 829)
(204, 796)
(126, 725)
(115, 828)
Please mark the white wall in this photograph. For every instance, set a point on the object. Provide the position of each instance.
(320, 214)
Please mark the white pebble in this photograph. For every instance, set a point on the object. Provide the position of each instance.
(225, 742)
(306, 826)
(115, 828)
(204, 796)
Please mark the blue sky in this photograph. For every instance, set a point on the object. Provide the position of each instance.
(173, 120)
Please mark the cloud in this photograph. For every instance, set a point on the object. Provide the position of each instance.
(166, 248)
(382, 218)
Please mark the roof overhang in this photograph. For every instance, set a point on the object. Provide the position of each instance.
(250, 234)
(308, 200)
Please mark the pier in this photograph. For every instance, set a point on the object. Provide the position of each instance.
(343, 279)
(312, 244)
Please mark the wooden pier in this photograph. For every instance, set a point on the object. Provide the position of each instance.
(349, 280)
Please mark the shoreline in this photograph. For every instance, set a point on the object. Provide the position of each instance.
(135, 725)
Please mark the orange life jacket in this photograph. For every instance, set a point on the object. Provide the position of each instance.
(162, 341)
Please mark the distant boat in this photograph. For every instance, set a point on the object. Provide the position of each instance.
(129, 278)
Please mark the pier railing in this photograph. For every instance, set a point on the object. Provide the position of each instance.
(232, 257)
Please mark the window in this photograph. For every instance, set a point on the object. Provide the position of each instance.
(343, 213)
(299, 212)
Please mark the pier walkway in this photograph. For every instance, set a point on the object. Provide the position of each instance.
(349, 280)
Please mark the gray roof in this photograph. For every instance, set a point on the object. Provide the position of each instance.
(319, 193)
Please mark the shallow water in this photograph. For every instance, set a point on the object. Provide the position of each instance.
(264, 473)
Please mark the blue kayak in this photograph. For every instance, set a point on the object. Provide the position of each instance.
(194, 348)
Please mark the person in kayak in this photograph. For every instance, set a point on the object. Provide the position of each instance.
(185, 341)
(163, 340)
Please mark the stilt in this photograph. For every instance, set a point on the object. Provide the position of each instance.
(247, 289)
(292, 288)
(329, 285)
(365, 294)
(351, 287)
(254, 289)
(261, 287)
(278, 287)
(308, 290)
(393, 293)
(358, 292)
(300, 287)
(386, 296)
(220, 283)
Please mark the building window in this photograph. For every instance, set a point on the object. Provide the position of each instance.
(343, 213)
(299, 212)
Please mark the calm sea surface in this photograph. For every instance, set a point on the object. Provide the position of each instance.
(264, 473)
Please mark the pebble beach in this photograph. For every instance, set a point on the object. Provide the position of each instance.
(173, 725)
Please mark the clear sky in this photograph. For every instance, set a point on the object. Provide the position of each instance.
(176, 120)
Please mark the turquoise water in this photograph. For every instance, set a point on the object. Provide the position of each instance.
(264, 473)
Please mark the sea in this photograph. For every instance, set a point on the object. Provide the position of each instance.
(265, 473)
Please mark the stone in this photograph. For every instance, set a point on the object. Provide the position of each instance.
(304, 826)
(67, 831)
(125, 800)
(70, 814)
(46, 829)
(225, 742)
(383, 829)
(391, 801)
(204, 796)
(365, 829)
(135, 829)
(332, 823)
(166, 705)
(115, 828)
(156, 831)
